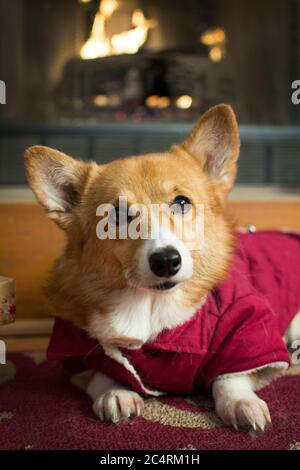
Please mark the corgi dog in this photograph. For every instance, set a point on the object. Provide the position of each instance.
(164, 313)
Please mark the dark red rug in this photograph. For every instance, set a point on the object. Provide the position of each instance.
(41, 409)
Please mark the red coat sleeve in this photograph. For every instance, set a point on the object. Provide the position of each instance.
(246, 337)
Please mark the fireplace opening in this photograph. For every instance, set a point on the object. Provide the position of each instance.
(148, 60)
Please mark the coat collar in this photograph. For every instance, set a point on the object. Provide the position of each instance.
(68, 340)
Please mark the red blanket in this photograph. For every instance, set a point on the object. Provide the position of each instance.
(40, 409)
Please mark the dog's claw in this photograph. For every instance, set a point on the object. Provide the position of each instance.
(234, 424)
(118, 405)
(252, 412)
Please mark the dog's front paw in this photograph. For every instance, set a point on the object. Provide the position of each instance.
(118, 405)
(246, 412)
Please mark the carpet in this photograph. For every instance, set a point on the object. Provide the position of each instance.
(41, 409)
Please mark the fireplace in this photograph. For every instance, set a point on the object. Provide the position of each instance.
(148, 60)
(129, 68)
(75, 70)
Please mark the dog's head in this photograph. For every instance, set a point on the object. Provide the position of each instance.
(170, 208)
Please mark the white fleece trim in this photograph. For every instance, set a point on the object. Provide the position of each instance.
(115, 353)
(280, 366)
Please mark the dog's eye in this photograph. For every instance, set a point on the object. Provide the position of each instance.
(120, 216)
(181, 205)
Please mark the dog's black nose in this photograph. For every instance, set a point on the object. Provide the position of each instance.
(165, 262)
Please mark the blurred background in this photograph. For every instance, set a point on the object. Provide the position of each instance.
(102, 79)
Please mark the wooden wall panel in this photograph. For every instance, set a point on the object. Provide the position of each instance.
(273, 214)
(29, 243)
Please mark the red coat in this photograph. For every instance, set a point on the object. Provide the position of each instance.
(239, 328)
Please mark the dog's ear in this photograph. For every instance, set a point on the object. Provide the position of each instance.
(215, 142)
(57, 181)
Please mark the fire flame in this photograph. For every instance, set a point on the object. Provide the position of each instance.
(127, 42)
(130, 41)
(215, 40)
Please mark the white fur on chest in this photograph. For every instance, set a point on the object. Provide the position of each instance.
(139, 316)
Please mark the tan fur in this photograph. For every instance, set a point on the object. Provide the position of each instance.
(89, 271)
